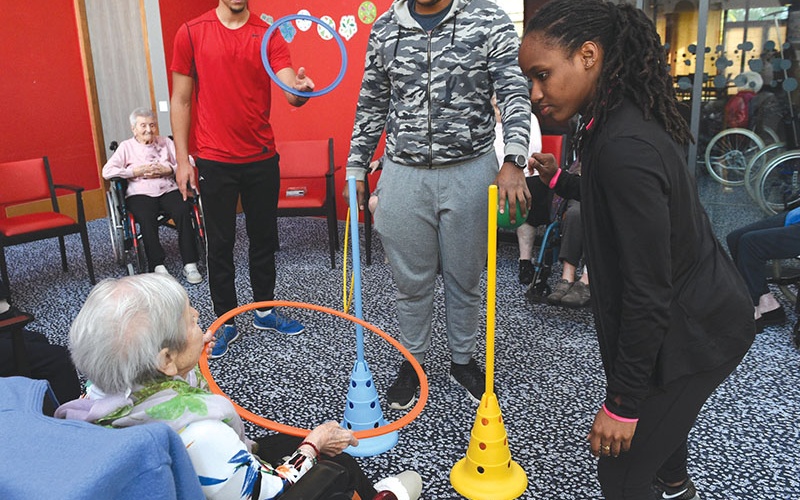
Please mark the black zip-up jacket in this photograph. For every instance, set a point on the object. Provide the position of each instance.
(668, 301)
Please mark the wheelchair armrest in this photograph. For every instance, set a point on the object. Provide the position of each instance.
(70, 187)
(16, 322)
(323, 480)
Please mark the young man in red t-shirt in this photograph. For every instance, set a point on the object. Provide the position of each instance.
(217, 59)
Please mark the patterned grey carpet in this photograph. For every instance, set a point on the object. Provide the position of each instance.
(547, 370)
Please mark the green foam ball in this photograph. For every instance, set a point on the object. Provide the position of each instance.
(503, 218)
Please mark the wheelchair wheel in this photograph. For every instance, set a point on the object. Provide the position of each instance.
(728, 154)
(779, 184)
(115, 227)
(756, 166)
(768, 135)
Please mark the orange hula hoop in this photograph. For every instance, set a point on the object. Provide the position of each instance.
(297, 431)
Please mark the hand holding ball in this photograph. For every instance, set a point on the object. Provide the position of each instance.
(503, 218)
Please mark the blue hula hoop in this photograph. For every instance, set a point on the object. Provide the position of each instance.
(278, 82)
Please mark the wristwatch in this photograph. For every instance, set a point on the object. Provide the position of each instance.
(519, 161)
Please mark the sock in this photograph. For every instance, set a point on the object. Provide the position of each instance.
(263, 314)
(4, 306)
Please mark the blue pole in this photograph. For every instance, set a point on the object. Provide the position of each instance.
(351, 184)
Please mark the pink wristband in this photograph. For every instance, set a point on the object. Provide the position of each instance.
(618, 418)
(555, 179)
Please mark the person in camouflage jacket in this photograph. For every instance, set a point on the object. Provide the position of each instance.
(431, 69)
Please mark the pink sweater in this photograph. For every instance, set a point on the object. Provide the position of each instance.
(131, 153)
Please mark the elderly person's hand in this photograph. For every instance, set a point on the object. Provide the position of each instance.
(208, 339)
(331, 438)
(161, 170)
(152, 171)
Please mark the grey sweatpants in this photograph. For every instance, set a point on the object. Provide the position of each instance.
(425, 216)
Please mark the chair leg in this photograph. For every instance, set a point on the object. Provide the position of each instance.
(63, 253)
(4, 268)
(368, 236)
(88, 254)
(333, 236)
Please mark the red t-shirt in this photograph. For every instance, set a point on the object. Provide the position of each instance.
(232, 87)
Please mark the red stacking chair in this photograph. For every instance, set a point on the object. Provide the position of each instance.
(28, 181)
(307, 184)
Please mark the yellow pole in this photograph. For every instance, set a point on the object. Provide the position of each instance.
(488, 472)
(491, 284)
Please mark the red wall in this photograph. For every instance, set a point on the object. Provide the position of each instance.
(331, 115)
(326, 116)
(43, 92)
(173, 14)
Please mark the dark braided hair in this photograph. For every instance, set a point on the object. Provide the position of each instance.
(634, 61)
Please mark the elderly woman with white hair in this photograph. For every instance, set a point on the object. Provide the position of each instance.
(737, 109)
(147, 162)
(137, 339)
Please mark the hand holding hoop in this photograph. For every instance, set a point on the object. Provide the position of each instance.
(271, 73)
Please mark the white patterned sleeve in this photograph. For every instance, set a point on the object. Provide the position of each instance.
(226, 469)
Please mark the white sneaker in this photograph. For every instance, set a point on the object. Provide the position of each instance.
(406, 486)
(160, 269)
(191, 273)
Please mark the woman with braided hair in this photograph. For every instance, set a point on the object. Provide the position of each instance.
(672, 314)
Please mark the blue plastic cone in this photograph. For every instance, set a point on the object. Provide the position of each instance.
(363, 411)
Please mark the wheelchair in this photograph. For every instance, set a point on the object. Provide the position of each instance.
(126, 240)
(539, 289)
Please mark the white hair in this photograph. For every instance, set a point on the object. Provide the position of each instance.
(123, 325)
(141, 112)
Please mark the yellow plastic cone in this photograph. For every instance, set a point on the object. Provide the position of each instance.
(487, 472)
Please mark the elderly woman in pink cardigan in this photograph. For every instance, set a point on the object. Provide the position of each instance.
(147, 162)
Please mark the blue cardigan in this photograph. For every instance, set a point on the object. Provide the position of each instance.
(44, 457)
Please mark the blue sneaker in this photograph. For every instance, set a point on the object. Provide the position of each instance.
(277, 323)
(228, 335)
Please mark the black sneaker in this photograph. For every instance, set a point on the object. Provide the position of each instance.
(525, 272)
(774, 317)
(11, 312)
(561, 289)
(471, 377)
(403, 392)
(685, 491)
(578, 295)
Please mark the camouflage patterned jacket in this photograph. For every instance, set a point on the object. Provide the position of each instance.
(431, 91)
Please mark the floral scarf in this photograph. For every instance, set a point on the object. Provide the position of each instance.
(176, 402)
